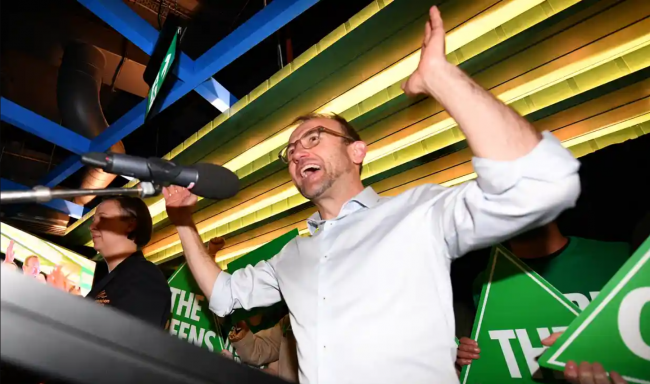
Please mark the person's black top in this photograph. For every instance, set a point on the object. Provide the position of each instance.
(137, 287)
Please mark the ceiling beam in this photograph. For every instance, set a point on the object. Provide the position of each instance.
(245, 37)
(127, 22)
(36, 124)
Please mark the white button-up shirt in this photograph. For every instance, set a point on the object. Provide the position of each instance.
(369, 292)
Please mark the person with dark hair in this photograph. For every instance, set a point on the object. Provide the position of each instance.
(120, 228)
(371, 259)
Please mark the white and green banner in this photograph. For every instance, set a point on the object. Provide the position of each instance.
(614, 330)
(191, 317)
(517, 310)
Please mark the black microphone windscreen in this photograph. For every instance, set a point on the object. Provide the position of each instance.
(215, 182)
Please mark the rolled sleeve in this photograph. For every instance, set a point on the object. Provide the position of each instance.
(509, 197)
(246, 288)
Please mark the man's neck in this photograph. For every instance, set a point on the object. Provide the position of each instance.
(118, 255)
(329, 207)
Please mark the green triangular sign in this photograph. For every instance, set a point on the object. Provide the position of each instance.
(191, 318)
(614, 330)
(264, 252)
(517, 309)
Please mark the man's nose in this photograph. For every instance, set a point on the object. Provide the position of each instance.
(299, 152)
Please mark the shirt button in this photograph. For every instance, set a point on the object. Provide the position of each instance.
(323, 298)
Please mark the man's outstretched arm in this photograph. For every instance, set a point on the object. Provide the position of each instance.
(525, 179)
(493, 130)
(179, 202)
(247, 288)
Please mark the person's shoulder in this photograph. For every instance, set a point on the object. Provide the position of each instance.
(146, 273)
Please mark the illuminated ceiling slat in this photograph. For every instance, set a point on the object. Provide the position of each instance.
(209, 228)
(472, 30)
(594, 127)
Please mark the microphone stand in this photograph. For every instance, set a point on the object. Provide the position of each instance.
(41, 194)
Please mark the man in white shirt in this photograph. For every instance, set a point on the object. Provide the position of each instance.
(372, 260)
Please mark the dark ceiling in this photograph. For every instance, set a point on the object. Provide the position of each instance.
(33, 40)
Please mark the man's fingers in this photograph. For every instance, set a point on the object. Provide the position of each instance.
(468, 341)
(427, 34)
(551, 339)
(463, 362)
(571, 372)
(616, 378)
(469, 348)
(166, 192)
(586, 373)
(436, 20)
(467, 355)
(600, 376)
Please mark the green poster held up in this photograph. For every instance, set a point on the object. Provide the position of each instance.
(614, 330)
(191, 318)
(517, 309)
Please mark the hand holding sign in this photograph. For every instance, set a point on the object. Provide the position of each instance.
(468, 350)
(613, 329)
(585, 373)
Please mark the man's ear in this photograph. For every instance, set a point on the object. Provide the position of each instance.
(357, 151)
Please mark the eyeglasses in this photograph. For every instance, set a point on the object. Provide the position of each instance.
(309, 140)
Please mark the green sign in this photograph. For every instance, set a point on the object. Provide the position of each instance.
(614, 330)
(162, 73)
(517, 310)
(191, 318)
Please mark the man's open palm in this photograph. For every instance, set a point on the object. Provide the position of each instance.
(180, 203)
(9, 255)
(433, 53)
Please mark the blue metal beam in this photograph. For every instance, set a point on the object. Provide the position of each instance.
(216, 94)
(69, 208)
(130, 25)
(252, 32)
(33, 123)
(249, 34)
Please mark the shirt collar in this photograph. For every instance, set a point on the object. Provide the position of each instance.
(367, 198)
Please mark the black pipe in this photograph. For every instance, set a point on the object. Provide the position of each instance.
(78, 85)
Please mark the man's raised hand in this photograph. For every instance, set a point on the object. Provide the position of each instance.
(180, 203)
(432, 55)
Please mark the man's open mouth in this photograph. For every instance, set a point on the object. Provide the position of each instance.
(309, 170)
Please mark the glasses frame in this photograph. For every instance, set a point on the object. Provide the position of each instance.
(320, 130)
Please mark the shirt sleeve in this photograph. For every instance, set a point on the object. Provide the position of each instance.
(246, 288)
(509, 197)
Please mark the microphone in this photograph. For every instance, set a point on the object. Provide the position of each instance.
(207, 180)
